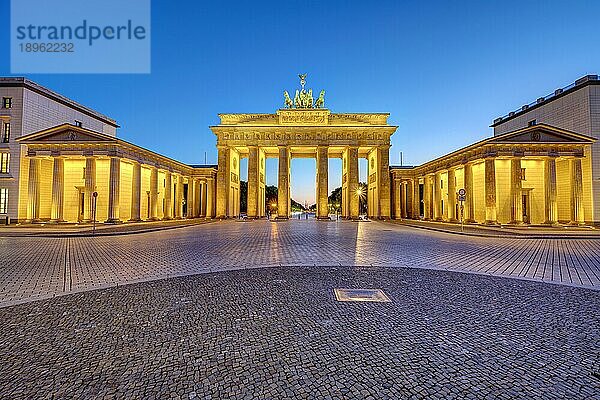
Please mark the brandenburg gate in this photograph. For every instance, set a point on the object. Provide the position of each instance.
(303, 129)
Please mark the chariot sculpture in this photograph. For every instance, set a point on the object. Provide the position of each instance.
(303, 99)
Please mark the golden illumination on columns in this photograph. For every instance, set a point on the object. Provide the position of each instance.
(136, 188)
(353, 187)
(168, 197)
(191, 198)
(179, 198)
(90, 187)
(223, 181)
(437, 196)
(515, 191)
(490, 190)
(451, 207)
(398, 198)
(577, 210)
(322, 182)
(114, 187)
(427, 197)
(253, 181)
(283, 190)
(210, 187)
(33, 199)
(550, 190)
(58, 189)
(383, 187)
(416, 203)
(407, 204)
(153, 193)
(202, 210)
(470, 195)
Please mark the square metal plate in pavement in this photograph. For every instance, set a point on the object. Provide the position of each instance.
(374, 295)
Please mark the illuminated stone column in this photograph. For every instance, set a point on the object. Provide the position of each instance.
(153, 193)
(515, 191)
(58, 189)
(352, 176)
(179, 198)
(550, 190)
(322, 182)
(437, 196)
(191, 198)
(383, 190)
(210, 188)
(253, 181)
(33, 190)
(114, 187)
(408, 193)
(416, 203)
(577, 213)
(136, 192)
(199, 197)
(283, 189)
(427, 197)
(202, 198)
(223, 177)
(490, 190)
(168, 197)
(470, 195)
(398, 198)
(451, 207)
(89, 187)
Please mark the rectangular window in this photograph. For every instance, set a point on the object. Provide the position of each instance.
(4, 163)
(532, 122)
(441, 184)
(3, 200)
(83, 177)
(7, 102)
(523, 174)
(78, 123)
(6, 133)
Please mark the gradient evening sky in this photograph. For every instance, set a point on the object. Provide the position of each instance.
(444, 69)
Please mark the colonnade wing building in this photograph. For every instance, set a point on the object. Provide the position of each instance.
(55, 154)
(542, 166)
(62, 162)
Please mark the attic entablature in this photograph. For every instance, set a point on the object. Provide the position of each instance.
(305, 117)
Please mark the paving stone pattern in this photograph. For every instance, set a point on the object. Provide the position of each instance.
(275, 333)
(38, 267)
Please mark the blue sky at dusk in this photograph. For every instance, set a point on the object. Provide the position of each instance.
(444, 70)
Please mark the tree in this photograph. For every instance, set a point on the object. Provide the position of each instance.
(271, 196)
(335, 198)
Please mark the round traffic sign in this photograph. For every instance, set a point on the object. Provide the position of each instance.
(95, 194)
(462, 192)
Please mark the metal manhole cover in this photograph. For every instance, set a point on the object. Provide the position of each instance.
(374, 295)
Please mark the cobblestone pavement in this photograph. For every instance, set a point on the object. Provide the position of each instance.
(36, 267)
(278, 333)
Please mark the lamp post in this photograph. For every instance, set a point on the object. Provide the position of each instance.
(94, 200)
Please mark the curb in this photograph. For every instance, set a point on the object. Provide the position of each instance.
(100, 233)
(512, 235)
